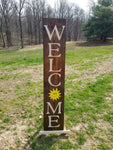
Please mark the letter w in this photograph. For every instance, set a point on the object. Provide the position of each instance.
(58, 106)
(50, 35)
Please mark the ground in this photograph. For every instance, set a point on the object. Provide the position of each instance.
(88, 99)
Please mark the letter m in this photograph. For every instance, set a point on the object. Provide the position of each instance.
(54, 110)
(50, 35)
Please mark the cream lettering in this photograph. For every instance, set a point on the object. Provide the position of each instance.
(51, 66)
(54, 110)
(53, 120)
(50, 35)
(50, 49)
(50, 82)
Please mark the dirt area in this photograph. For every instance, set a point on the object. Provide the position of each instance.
(13, 136)
(106, 66)
(32, 47)
(94, 43)
(17, 131)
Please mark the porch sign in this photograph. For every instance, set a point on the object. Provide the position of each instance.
(54, 38)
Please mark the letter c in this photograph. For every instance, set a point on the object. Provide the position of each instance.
(49, 79)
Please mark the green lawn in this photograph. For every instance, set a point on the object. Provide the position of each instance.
(88, 100)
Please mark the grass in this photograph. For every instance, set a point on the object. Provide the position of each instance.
(103, 146)
(81, 139)
(21, 58)
(76, 56)
(13, 76)
(109, 117)
(87, 101)
(66, 145)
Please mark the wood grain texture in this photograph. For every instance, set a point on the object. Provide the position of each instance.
(58, 63)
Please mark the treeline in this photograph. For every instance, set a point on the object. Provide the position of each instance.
(100, 23)
(21, 21)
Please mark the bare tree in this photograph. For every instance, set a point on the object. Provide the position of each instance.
(29, 20)
(69, 21)
(15, 28)
(49, 12)
(61, 8)
(34, 9)
(22, 20)
(39, 11)
(78, 21)
(1, 27)
(6, 7)
(74, 18)
(1, 30)
(19, 8)
(91, 4)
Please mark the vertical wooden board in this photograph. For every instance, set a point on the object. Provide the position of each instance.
(54, 38)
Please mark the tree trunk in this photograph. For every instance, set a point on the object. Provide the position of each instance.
(3, 39)
(104, 39)
(8, 35)
(35, 30)
(2, 35)
(21, 31)
(8, 32)
(31, 35)
(39, 34)
(76, 30)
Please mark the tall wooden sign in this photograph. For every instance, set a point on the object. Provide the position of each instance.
(54, 38)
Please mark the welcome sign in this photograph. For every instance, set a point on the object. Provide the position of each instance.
(54, 38)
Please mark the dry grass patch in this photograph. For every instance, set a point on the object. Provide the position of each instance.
(12, 138)
(104, 67)
(33, 47)
(87, 100)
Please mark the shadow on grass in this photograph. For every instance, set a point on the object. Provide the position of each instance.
(44, 142)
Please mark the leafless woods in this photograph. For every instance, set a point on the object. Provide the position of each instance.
(21, 21)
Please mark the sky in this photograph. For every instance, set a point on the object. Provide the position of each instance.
(82, 3)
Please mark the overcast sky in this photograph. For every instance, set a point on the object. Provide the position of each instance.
(82, 3)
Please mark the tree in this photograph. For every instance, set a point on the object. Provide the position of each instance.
(69, 21)
(1, 27)
(21, 21)
(28, 13)
(61, 7)
(105, 3)
(19, 7)
(78, 21)
(100, 24)
(6, 7)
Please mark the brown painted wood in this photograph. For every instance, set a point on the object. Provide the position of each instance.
(58, 63)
